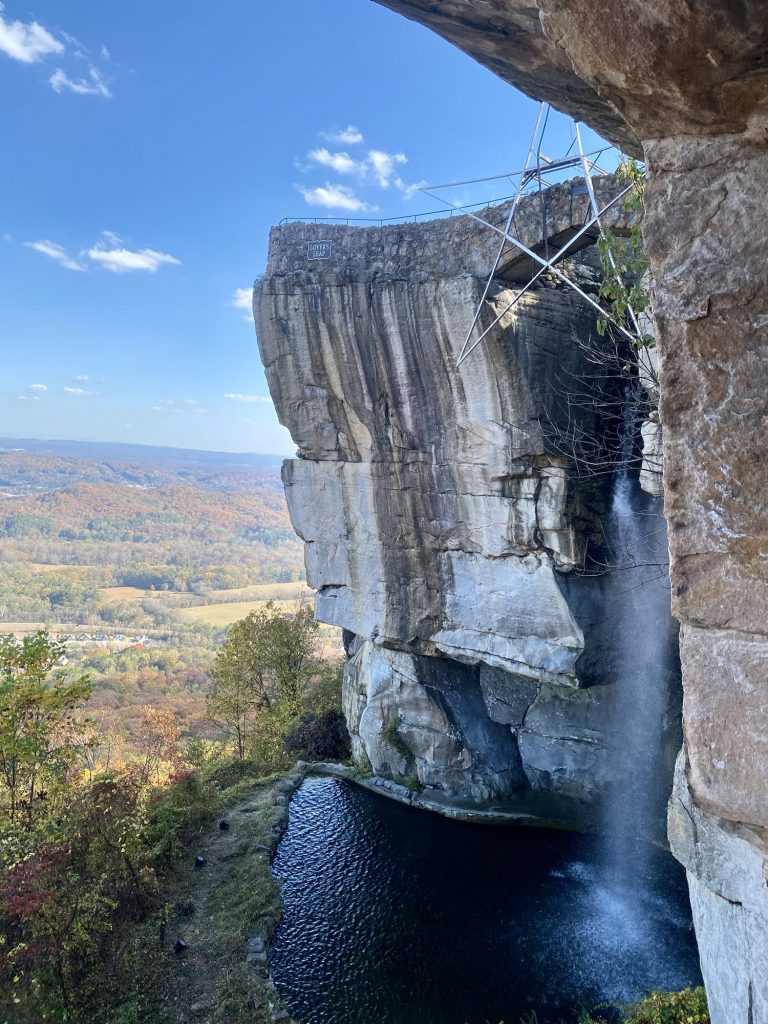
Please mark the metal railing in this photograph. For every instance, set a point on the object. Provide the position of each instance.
(535, 183)
(405, 219)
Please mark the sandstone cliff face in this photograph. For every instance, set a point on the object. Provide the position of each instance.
(439, 515)
(689, 79)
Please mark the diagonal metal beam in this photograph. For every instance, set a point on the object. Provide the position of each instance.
(587, 165)
(547, 265)
(508, 224)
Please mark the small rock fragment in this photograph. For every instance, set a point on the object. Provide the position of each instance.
(180, 947)
(199, 860)
(223, 825)
(204, 1006)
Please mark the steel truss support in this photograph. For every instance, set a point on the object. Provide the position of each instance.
(545, 265)
(587, 166)
(537, 172)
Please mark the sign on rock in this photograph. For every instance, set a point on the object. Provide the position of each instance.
(319, 250)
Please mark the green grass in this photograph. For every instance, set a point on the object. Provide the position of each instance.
(215, 909)
(224, 614)
(264, 592)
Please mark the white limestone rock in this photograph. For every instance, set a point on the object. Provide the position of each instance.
(421, 720)
(434, 497)
(727, 870)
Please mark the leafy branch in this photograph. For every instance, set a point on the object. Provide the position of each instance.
(625, 266)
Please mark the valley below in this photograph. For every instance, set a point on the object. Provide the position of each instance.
(140, 559)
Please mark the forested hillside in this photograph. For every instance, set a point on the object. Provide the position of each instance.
(140, 558)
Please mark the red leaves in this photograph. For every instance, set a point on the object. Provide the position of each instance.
(30, 887)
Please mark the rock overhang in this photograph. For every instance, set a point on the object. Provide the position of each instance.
(436, 512)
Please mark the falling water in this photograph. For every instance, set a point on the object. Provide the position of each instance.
(402, 917)
(646, 666)
(396, 916)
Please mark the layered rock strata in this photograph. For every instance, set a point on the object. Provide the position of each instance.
(437, 506)
(689, 80)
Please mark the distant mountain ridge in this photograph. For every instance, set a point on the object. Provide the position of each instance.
(141, 453)
(31, 465)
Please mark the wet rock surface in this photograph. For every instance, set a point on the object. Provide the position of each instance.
(690, 80)
(440, 514)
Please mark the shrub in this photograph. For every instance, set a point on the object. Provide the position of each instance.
(66, 908)
(686, 1007)
(324, 689)
(391, 733)
(321, 737)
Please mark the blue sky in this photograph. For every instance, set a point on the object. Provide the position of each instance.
(147, 149)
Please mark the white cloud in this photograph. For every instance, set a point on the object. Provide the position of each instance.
(121, 260)
(110, 253)
(378, 164)
(81, 377)
(349, 136)
(342, 163)
(80, 51)
(334, 197)
(237, 397)
(55, 252)
(378, 167)
(409, 191)
(28, 398)
(37, 387)
(94, 85)
(383, 165)
(242, 298)
(178, 406)
(105, 55)
(80, 392)
(28, 41)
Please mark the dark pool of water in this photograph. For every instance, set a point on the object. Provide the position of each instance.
(399, 916)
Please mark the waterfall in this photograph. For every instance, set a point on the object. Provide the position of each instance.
(645, 668)
(633, 654)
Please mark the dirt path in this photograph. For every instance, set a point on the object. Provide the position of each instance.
(226, 911)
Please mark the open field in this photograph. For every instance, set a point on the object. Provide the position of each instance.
(221, 615)
(61, 568)
(125, 593)
(264, 592)
(57, 628)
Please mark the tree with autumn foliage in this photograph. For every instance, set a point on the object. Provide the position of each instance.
(161, 745)
(260, 677)
(73, 869)
(41, 725)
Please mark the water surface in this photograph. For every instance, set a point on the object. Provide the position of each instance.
(398, 916)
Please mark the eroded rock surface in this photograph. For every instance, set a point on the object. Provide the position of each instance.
(689, 79)
(439, 510)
